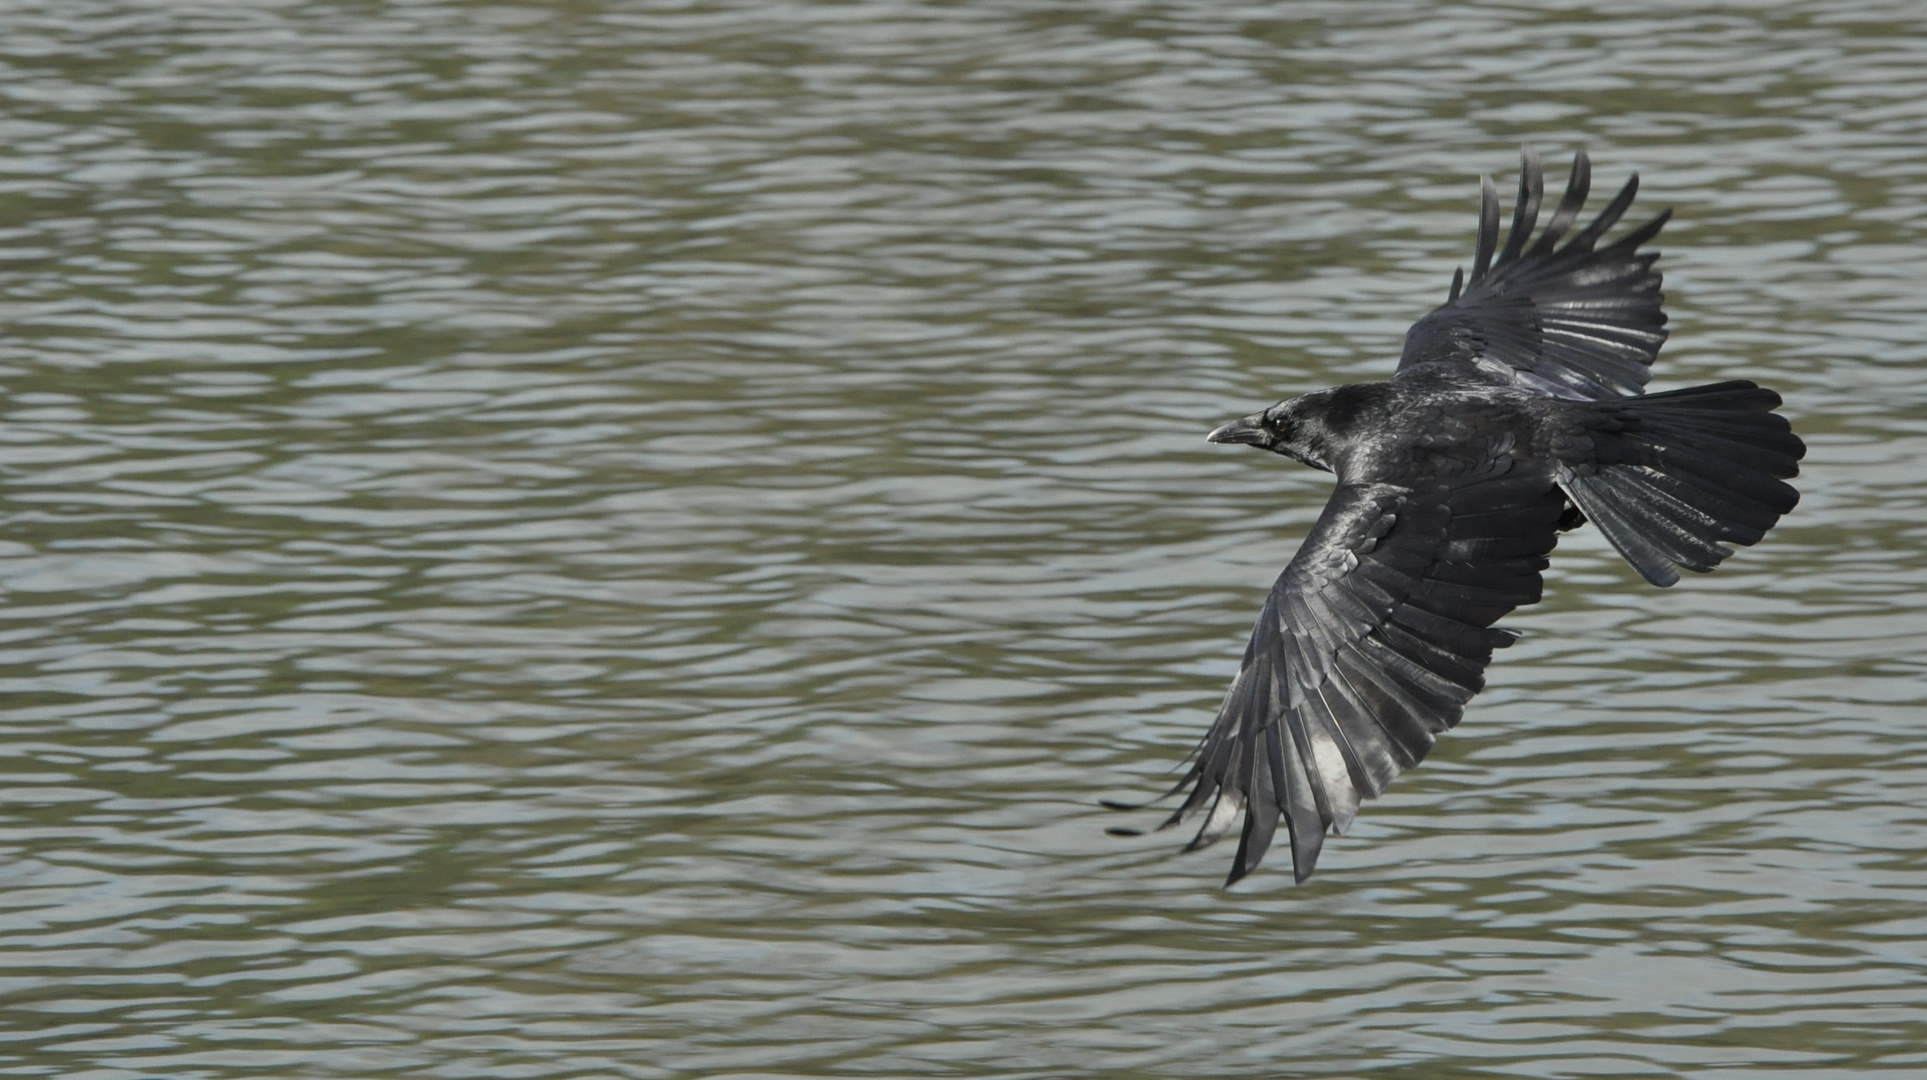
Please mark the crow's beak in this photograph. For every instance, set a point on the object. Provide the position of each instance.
(1250, 430)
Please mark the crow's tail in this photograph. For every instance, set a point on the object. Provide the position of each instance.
(1677, 475)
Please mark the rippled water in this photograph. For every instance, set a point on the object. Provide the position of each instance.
(597, 540)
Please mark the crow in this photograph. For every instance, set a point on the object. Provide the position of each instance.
(1517, 412)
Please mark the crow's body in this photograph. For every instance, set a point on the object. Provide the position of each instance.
(1517, 411)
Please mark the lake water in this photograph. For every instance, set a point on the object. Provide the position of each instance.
(602, 540)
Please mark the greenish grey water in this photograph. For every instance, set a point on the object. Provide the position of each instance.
(597, 540)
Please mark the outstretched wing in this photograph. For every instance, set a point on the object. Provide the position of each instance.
(1578, 321)
(1369, 646)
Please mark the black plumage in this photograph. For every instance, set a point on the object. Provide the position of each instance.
(1517, 411)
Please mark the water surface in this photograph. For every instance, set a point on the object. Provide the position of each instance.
(598, 540)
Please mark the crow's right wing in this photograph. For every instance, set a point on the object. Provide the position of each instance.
(1580, 321)
(1369, 646)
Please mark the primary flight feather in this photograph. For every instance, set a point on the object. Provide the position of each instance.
(1517, 411)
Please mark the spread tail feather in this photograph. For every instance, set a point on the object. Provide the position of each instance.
(1679, 475)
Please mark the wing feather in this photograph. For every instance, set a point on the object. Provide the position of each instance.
(1531, 190)
(1369, 645)
(1578, 186)
(1578, 321)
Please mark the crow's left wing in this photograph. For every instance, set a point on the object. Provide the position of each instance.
(1369, 646)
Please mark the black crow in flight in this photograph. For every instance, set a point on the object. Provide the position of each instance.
(1517, 412)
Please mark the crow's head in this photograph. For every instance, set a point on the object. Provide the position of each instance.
(1292, 428)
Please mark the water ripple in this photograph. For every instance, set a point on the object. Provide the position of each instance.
(607, 541)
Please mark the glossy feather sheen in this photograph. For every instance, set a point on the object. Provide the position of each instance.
(1516, 407)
